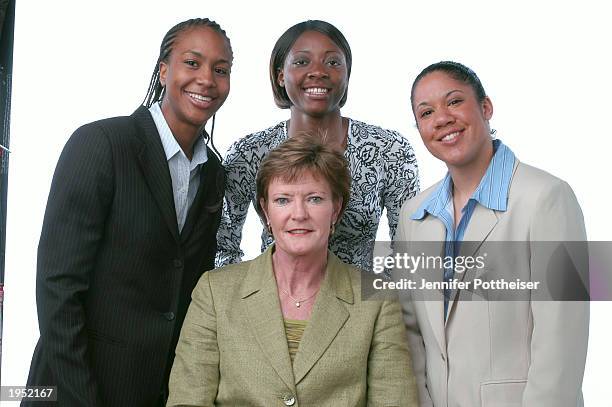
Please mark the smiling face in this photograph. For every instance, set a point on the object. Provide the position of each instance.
(452, 122)
(300, 214)
(196, 78)
(314, 74)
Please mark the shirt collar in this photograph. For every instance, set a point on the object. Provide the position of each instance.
(492, 192)
(171, 146)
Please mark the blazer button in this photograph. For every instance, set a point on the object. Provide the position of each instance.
(288, 399)
(169, 316)
(178, 263)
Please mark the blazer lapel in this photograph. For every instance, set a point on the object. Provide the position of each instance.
(155, 168)
(209, 197)
(329, 314)
(261, 305)
(481, 224)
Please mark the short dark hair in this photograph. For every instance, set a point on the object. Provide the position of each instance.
(283, 46)
(297, 155)
(456, 71)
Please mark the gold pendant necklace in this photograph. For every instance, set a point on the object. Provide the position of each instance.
(297, 301)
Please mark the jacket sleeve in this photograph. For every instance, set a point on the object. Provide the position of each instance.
(560, 328)
(390, 377)
(194, 379)
(239, 184)
(73, 228)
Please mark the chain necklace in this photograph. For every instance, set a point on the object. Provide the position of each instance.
(298, 302)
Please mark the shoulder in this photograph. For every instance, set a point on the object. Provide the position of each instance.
(229, 274)
(258, 142)
(117, 126)
(356, 280)
(385, 147)
(225, 283)
(369, 132)
(527, 175)
(109, 131)
(530, 184)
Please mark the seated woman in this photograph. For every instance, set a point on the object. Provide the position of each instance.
(290, 327)
(489, 353)
(310, 68)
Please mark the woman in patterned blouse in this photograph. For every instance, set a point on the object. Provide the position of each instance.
(310, 68)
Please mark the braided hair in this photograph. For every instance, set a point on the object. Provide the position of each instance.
(156, 91)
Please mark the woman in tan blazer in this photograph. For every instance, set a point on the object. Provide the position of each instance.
(289, 327)
(523, 351)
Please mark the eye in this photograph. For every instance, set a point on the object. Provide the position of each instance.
(192, 63)
(315, 199)
(222, 71)
(334, 62)
(300, 62)
(426, 113)
(281, 201)
(455, 102)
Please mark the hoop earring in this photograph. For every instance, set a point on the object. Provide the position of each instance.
(332, 229)
(269, 229)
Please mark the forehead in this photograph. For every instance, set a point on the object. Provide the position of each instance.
(304, 180)
(202, 40)
(437, 85)
(315, 41)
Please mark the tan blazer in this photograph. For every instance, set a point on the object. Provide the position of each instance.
(510, 353)
(233, 350)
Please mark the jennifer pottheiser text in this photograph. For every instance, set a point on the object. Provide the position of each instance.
(455, 284)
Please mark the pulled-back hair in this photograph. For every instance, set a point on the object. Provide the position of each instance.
(458, 72)
(156, 91)
(296, 156)
(283, 46)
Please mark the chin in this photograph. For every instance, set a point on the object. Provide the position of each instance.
(304, 250)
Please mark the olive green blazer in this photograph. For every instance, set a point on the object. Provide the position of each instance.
(233, 350)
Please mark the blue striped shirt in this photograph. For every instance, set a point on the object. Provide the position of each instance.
(492, 192)
(183, 172)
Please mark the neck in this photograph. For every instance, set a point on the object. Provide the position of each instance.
(299, 275)
(184, 134)
(467, 177)
(333, 125)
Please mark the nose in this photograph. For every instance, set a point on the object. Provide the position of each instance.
(206, 76)
(318, 69)
(443, 118)
(299, 210)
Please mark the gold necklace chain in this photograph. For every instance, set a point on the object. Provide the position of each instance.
(295, 300)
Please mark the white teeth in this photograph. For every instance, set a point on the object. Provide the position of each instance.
(450, 137)
(316, 91)
(200, 97)
(299, 232)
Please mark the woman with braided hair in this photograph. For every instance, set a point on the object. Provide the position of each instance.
(129, 228)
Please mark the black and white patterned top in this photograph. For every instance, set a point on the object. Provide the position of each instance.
(384, 174)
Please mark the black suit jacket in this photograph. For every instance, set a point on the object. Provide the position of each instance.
(114, 276)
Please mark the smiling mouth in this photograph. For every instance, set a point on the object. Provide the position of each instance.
(316, 91)
(198, 97)
(450, 137)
